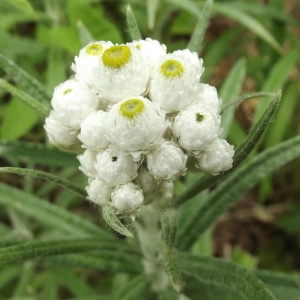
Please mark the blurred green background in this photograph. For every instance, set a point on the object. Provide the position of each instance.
(248, 46)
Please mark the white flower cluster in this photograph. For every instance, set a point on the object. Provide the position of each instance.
(140, 114)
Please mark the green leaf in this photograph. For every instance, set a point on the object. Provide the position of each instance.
(187, 5)
(285, 115)
(132, 24)
(40, 107)
(48, 214)
(169, 223)
(240, 181)
(152, 6)
(109, 215)
(283, 286)
(230, 90)
(276, 78)
(95, 21)
(84, 34)
(252, 24)
(35, 249)
(24, 6)
(241, 152)
(17, 120)
(172, 264)
(44, 175)
(195, 43)
(225, 274)
(33, 153)
(25, 81)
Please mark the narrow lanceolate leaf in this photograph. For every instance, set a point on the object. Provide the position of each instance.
(40, 107)
(109, 215)
(33, 250)
(151, 12)
(196, 42)
(241, 152)
(25, 81)
(230, 90)
(44, 175)
(224, 273)
(239, 182)
(169, 223)
(172, 264)
(132, 24)
(48, 214)
(85, 36)
(136, 288)
(252, 24)
(108, 260)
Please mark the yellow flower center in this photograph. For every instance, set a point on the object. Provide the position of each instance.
(67, 91)
(199, 118)
(116, 56)
(94, 49)
(132, 108)
(172, 68)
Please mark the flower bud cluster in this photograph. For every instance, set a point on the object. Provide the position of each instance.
(140, 113)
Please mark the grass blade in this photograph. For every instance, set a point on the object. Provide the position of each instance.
(44, 175)
(252, 24)
(224, 273)
(40, 107)
(196, 41)
(238, 182)
(132, 24)
(25, 81)
(48, 214)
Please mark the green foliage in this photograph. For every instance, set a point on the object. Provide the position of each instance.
(53, 244)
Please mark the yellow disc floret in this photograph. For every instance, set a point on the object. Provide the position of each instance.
(132, 108)
(67, 91)
(172, 68)
(116, 56)
(94, 49)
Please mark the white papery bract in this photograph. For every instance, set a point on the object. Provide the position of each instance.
(87, 162)
(59, 134)
(135, 124)
(174, 80)
(127, 197)
(152, 50)
(166, 161)
(196, 127)
(99, 192)
(121, 72)
(115, 167)
(93, 131)
(72, 101)
(207, 96)
(216, 158)
(87, 61)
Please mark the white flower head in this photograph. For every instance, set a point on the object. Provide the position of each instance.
(127, 197)
(166, 161)
(148, 184)
(93, 131)
(115, 167)
(135, 124)
(122, 72)
(174, 80)
(196, 127)
(99, 192)
(73, 101)
(87, 60)
(151, 49)
(87, 162)
(216, 157)
(207, 95)
(61, 135)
